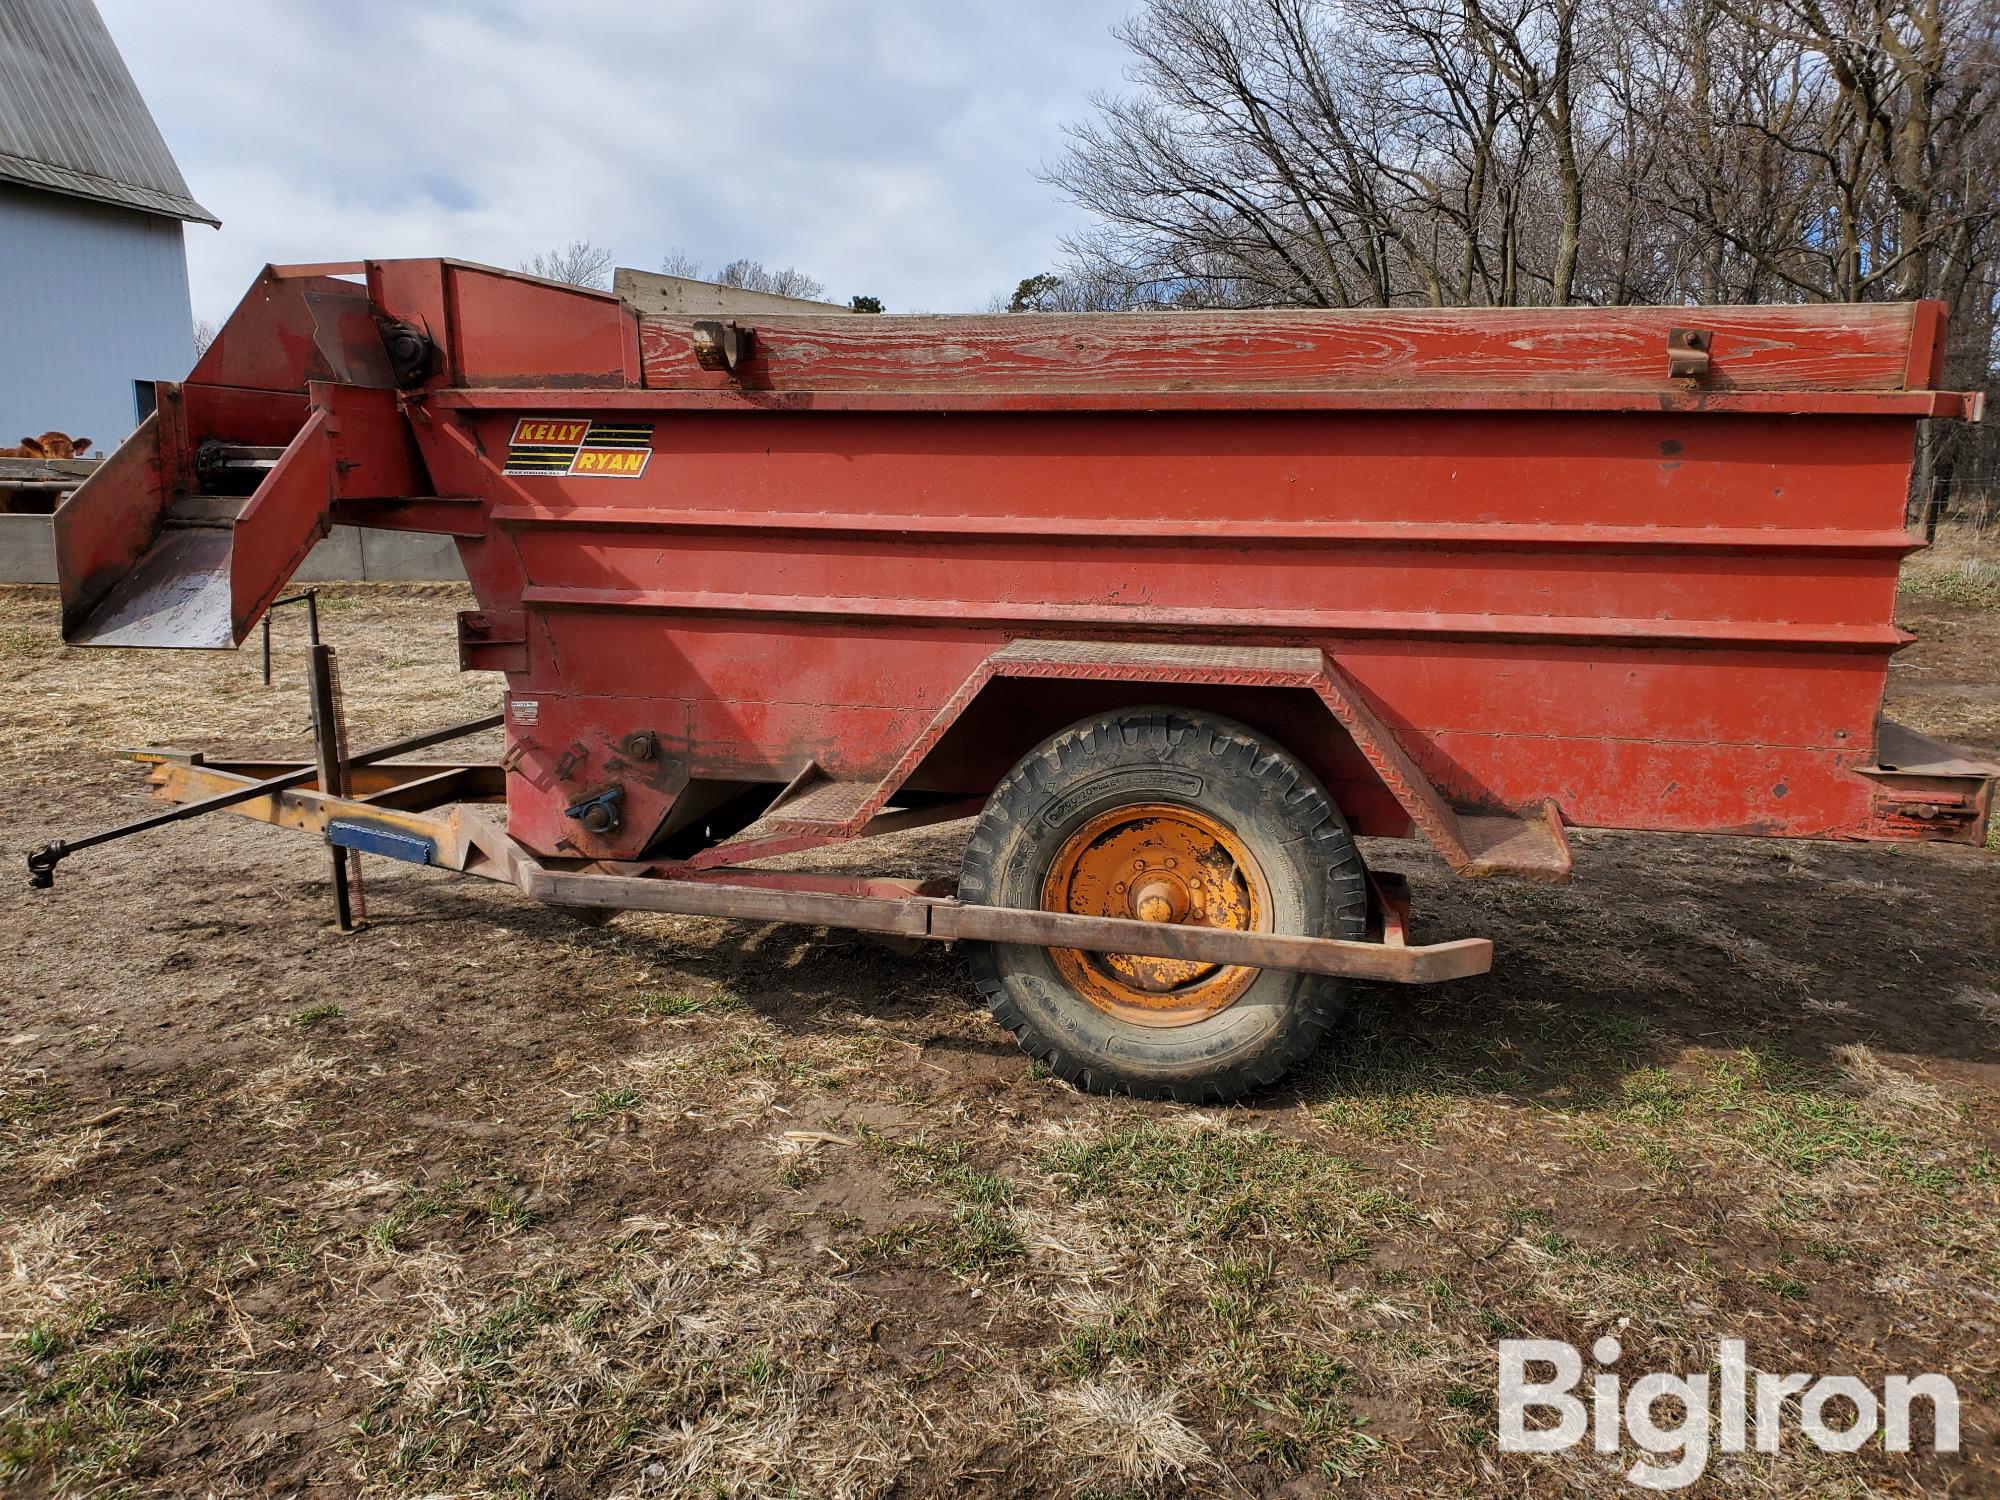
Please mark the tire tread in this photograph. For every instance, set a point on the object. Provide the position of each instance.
(1018, 799)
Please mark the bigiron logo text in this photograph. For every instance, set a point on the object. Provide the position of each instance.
(1678, 1421)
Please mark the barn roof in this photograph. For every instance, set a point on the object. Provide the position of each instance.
(71, 119)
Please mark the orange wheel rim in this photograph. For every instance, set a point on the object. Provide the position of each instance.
(1156, 862)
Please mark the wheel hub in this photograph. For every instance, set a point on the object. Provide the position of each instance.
(1156, 862)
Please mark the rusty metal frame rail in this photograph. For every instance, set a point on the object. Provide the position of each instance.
(946, 920)
(888, 907)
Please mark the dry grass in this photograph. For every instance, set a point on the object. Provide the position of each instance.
(1113, 1435)
(50, 1261)
(1962, 566)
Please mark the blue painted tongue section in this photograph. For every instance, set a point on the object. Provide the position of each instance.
(391, 843)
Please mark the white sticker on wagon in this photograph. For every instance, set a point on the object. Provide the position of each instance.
(527, 710)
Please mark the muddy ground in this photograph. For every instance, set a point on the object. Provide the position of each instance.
(487, 1202)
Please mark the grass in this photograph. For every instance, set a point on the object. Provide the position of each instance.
(967, 1241)
(1184, 1292)
(1224, 1183)
(451, 1201)
(1962, 566)
(1091, 1349)
(605, 1103)
(1971, 581)
(658, 1239)
(78, 1391)
(977, 1234)
(673, 1006)
(479, 1355)
(941, 1166)
(1319, 1431)
(1799, 1118)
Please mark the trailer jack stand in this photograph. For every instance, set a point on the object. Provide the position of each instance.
(329, 731)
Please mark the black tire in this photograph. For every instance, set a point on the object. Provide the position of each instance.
(1276, 810)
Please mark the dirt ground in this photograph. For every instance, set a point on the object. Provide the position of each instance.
(486, 1202)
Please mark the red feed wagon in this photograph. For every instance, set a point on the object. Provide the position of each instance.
(1175, 605)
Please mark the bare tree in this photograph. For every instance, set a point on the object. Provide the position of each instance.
(677, 262)
(579, 262)
(1350, 152)
(1048, 292)
(1381, 152)
(750, 275)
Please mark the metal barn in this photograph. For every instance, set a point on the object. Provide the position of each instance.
(92, 266)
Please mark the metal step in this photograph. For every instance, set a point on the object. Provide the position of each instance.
(822, 805)
(1527, 848)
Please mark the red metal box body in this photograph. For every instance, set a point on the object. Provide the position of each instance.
(1553, 570)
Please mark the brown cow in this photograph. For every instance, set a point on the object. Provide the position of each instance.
(49, 445)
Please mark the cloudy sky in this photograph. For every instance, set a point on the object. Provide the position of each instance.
(884, 146)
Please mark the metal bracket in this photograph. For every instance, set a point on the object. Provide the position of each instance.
(495, 642)
(1687, 353)
(510, 763)
(412, 352)
(1926, 789)
(724, 346)
(599, 813)
(310, 599)
(390, 843)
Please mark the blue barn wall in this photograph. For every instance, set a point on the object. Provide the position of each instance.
(92, 298)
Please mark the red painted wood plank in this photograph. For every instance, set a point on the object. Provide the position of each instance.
(1926, 367)
(1690, 400)
(1826, 348)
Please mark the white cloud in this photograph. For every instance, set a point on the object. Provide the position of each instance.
(884, 146)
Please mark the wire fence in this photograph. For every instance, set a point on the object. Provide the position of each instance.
(1969, 507)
